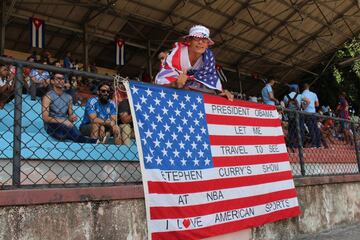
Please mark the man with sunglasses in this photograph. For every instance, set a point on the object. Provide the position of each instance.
(100, 116)
(57, 113)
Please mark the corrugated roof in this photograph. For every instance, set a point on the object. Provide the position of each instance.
(278, 37)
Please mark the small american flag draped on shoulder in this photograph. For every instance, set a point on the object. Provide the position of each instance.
(209, 166)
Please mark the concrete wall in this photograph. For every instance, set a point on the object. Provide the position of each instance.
(105, 220)
(323, 207)
(326, 203)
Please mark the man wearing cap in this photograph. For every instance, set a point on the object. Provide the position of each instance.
(191, 65)
(293, 101)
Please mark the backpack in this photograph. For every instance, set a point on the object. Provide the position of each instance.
(292, 104)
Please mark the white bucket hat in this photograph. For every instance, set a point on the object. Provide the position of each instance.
(200, 32)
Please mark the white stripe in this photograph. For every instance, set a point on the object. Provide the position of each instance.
(33, 34)
(246, 150)
(210, 220)
(171, 55)
(179, 200)
(174, 176)
(226, 110)
(233, 130)
(40, 36)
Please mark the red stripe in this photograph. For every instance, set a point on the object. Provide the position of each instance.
(245, 121)
(245, 140)
(249, 160)
(221, 206)
(211, 99)
(229, 227)
(215, 184)
(175, 61)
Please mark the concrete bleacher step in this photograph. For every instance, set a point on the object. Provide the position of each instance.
(37, 144)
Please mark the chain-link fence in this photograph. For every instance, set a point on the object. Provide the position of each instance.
(51, 137)
(320, 145)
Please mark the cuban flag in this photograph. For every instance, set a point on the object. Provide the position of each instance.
(120, 54)
(37, 32)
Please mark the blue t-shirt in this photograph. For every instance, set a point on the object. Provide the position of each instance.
(40, 76)
(313, 98)
(103, 111)
(265, 94)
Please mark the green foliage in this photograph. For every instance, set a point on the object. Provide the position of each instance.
(345, 78)
(337, 75)
(356, 68)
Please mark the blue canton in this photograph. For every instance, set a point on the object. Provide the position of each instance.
(207, 73)
(172, 127)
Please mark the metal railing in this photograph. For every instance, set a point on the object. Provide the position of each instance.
(320, 145)
(29, 157)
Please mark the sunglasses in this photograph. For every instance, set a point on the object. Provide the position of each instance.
(198, 39)
(59, 78)
(104, 91)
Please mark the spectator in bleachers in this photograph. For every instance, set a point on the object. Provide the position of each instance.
(57, 113)
(310, 120)
(71, 88)
(7, 85)
(342, 110)
(100, 116)
(293, 101)
(68, 61)
(40, 80)
(27, 70)
(267, 93)
(93, 68)
(125, 121)
(326, 126)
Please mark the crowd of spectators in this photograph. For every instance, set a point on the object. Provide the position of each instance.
(315, 127)
(105, 118)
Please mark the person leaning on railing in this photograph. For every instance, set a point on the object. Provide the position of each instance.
(7, 85)
(191, 65)
(57, 113)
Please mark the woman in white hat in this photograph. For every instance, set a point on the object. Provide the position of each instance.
(191, 64)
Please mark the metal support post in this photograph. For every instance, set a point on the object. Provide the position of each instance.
(17, 126)
(353, 129)
(3, 25)
(300, 143)
(86, 48)
(149, 60)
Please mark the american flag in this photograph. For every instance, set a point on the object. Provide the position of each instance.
(209, 166)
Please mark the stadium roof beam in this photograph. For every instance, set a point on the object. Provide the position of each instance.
(315, 35)
(280, 24)
(263, 30)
